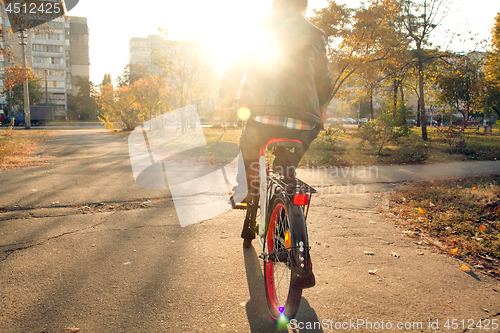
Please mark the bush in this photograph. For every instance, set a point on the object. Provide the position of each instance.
(328, 139)
(385, 128)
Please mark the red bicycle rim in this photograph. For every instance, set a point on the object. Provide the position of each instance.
(269, 266)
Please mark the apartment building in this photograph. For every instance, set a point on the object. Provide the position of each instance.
(57, 52)
(146, 51)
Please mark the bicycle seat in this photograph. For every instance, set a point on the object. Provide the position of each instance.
(280, 142)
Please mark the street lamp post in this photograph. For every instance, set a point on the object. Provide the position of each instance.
(27, 115)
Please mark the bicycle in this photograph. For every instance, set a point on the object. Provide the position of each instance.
(282, 231)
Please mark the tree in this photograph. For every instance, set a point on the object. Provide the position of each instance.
(106, 80)
(460, 84)
(368, 48)
(336, 21)
(83, 106)
(370, 29)
(191, 73)
(119, 105)
(420, 18)
(490, 100)
(14, 86)
(154, 96)
(131, 104)
(132, 73)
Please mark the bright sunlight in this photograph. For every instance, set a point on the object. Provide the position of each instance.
(222, 25)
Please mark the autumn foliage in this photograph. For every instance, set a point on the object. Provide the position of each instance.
(130, 104)
(15, 76)
(463, 214)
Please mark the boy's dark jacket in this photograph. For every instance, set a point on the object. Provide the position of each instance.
(285, 69)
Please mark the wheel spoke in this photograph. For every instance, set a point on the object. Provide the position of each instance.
(281, 270)
(277, 269)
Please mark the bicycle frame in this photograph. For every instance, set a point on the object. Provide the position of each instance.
(281, 231)
(263, 197)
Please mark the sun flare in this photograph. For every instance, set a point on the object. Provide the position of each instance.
(223, 27)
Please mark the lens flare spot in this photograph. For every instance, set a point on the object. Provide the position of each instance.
(244, 113)
(282, 320)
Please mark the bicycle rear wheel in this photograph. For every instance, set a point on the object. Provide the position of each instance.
(282, 298)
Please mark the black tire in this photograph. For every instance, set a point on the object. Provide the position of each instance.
(282, 298)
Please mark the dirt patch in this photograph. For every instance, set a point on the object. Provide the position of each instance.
(461, 217)
(20, 148)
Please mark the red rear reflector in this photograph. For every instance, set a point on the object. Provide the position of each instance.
(301, 199)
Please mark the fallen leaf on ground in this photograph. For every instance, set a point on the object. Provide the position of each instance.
(408, 233)
(458, 186)
(454, 251)
(421, 211)
(465, 268)
(373, 271)
(72, 329)
(482, 228)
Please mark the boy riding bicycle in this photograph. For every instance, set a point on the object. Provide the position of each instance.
(287, 87)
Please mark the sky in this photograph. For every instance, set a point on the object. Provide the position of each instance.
(113, 23)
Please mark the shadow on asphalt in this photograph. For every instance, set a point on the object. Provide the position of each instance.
(473, 275)
(257, 313)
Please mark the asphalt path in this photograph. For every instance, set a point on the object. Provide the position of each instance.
(83, 247)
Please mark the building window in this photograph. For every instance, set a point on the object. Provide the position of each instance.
(56, 25)
(59, 97)
(47, 48)
(39, 60)
(41, 72)
(56, 61)
(56, 84)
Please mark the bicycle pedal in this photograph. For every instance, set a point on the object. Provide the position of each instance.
(240, 206)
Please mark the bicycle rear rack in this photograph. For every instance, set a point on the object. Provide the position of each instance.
(293, 187)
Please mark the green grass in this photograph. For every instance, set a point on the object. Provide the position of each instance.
(348, 148)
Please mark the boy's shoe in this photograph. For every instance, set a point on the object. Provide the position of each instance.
(242, 204)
